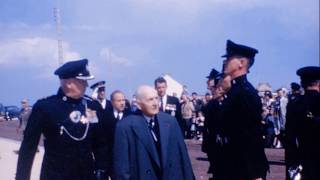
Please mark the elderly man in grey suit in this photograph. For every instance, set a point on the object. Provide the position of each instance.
(149, 144)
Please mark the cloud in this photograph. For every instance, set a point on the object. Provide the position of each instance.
(36, 51)
(110, 57)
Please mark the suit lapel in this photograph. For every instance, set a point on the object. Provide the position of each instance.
(142, 131)
(164, 128)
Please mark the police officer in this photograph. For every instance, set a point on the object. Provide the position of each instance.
(99, 93)
(70, 123)
(303, 127)
(209, 111)
(294, 95)
(241, 132)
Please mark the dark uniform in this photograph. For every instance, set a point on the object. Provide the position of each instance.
(303, 129)
(213, 142)
(74, 148)
(243, 156)
(210, 112)
(99, 87)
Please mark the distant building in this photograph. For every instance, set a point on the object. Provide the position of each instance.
(174, 87)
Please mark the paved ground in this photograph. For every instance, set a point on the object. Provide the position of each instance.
(10, 141)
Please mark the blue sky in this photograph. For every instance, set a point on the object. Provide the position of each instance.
(131, 42)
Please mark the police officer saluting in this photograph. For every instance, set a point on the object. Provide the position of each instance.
(303, 128)
(70, 122)
(243, 150)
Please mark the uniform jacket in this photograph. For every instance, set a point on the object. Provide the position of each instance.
(64, 158)
(241, 126)
(303, 126)
(136, 156)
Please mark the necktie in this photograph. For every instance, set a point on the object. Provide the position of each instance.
(151, 126)
(118, 116)
(161, 104)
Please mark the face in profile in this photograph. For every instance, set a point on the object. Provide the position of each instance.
(222, 87)
(148, 101)
(161, 88)
(211, 85)
(231, 65)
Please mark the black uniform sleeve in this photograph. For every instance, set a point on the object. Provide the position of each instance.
(102, 142)
(253, 151)
(291, 149)
(29, 143)
(178, 112)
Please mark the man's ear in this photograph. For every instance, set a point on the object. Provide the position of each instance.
(138, 104)
(244, 62)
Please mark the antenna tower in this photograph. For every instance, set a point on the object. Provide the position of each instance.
(57, 19)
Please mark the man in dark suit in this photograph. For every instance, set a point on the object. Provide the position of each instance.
(71, 124)
(168, 104)
(148, 145)
(116, 114)
(241, 131)
(303, 127)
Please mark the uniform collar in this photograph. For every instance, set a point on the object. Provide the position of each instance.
(239, 80)
(311, 92)
(65, 98)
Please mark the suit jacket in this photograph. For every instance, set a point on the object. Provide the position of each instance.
(173, 107)
(135, 152)
(109, 131)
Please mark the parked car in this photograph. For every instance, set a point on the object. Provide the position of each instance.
(2, 112)
(12, 112)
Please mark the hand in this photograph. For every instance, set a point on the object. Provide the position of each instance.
(258, 179)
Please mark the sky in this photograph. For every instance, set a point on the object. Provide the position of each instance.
(132, 42)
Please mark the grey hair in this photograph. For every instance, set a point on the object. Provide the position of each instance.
(140, 93)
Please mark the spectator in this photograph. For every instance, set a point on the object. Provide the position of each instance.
(187, 110)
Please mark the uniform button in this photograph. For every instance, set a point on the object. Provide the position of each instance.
(148, 171)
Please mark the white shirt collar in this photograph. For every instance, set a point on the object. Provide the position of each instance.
(103, 103)
(115, 113)
(148, 118)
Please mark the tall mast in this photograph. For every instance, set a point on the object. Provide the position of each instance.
(57, 19)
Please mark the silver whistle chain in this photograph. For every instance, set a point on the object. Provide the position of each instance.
(62, 128)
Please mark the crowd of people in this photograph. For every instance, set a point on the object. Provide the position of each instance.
(99, 138)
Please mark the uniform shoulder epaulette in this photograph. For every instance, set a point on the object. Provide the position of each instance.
(46, 97)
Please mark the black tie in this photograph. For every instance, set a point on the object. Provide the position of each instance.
(118, 116)
(152, 125)
(161, 104)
